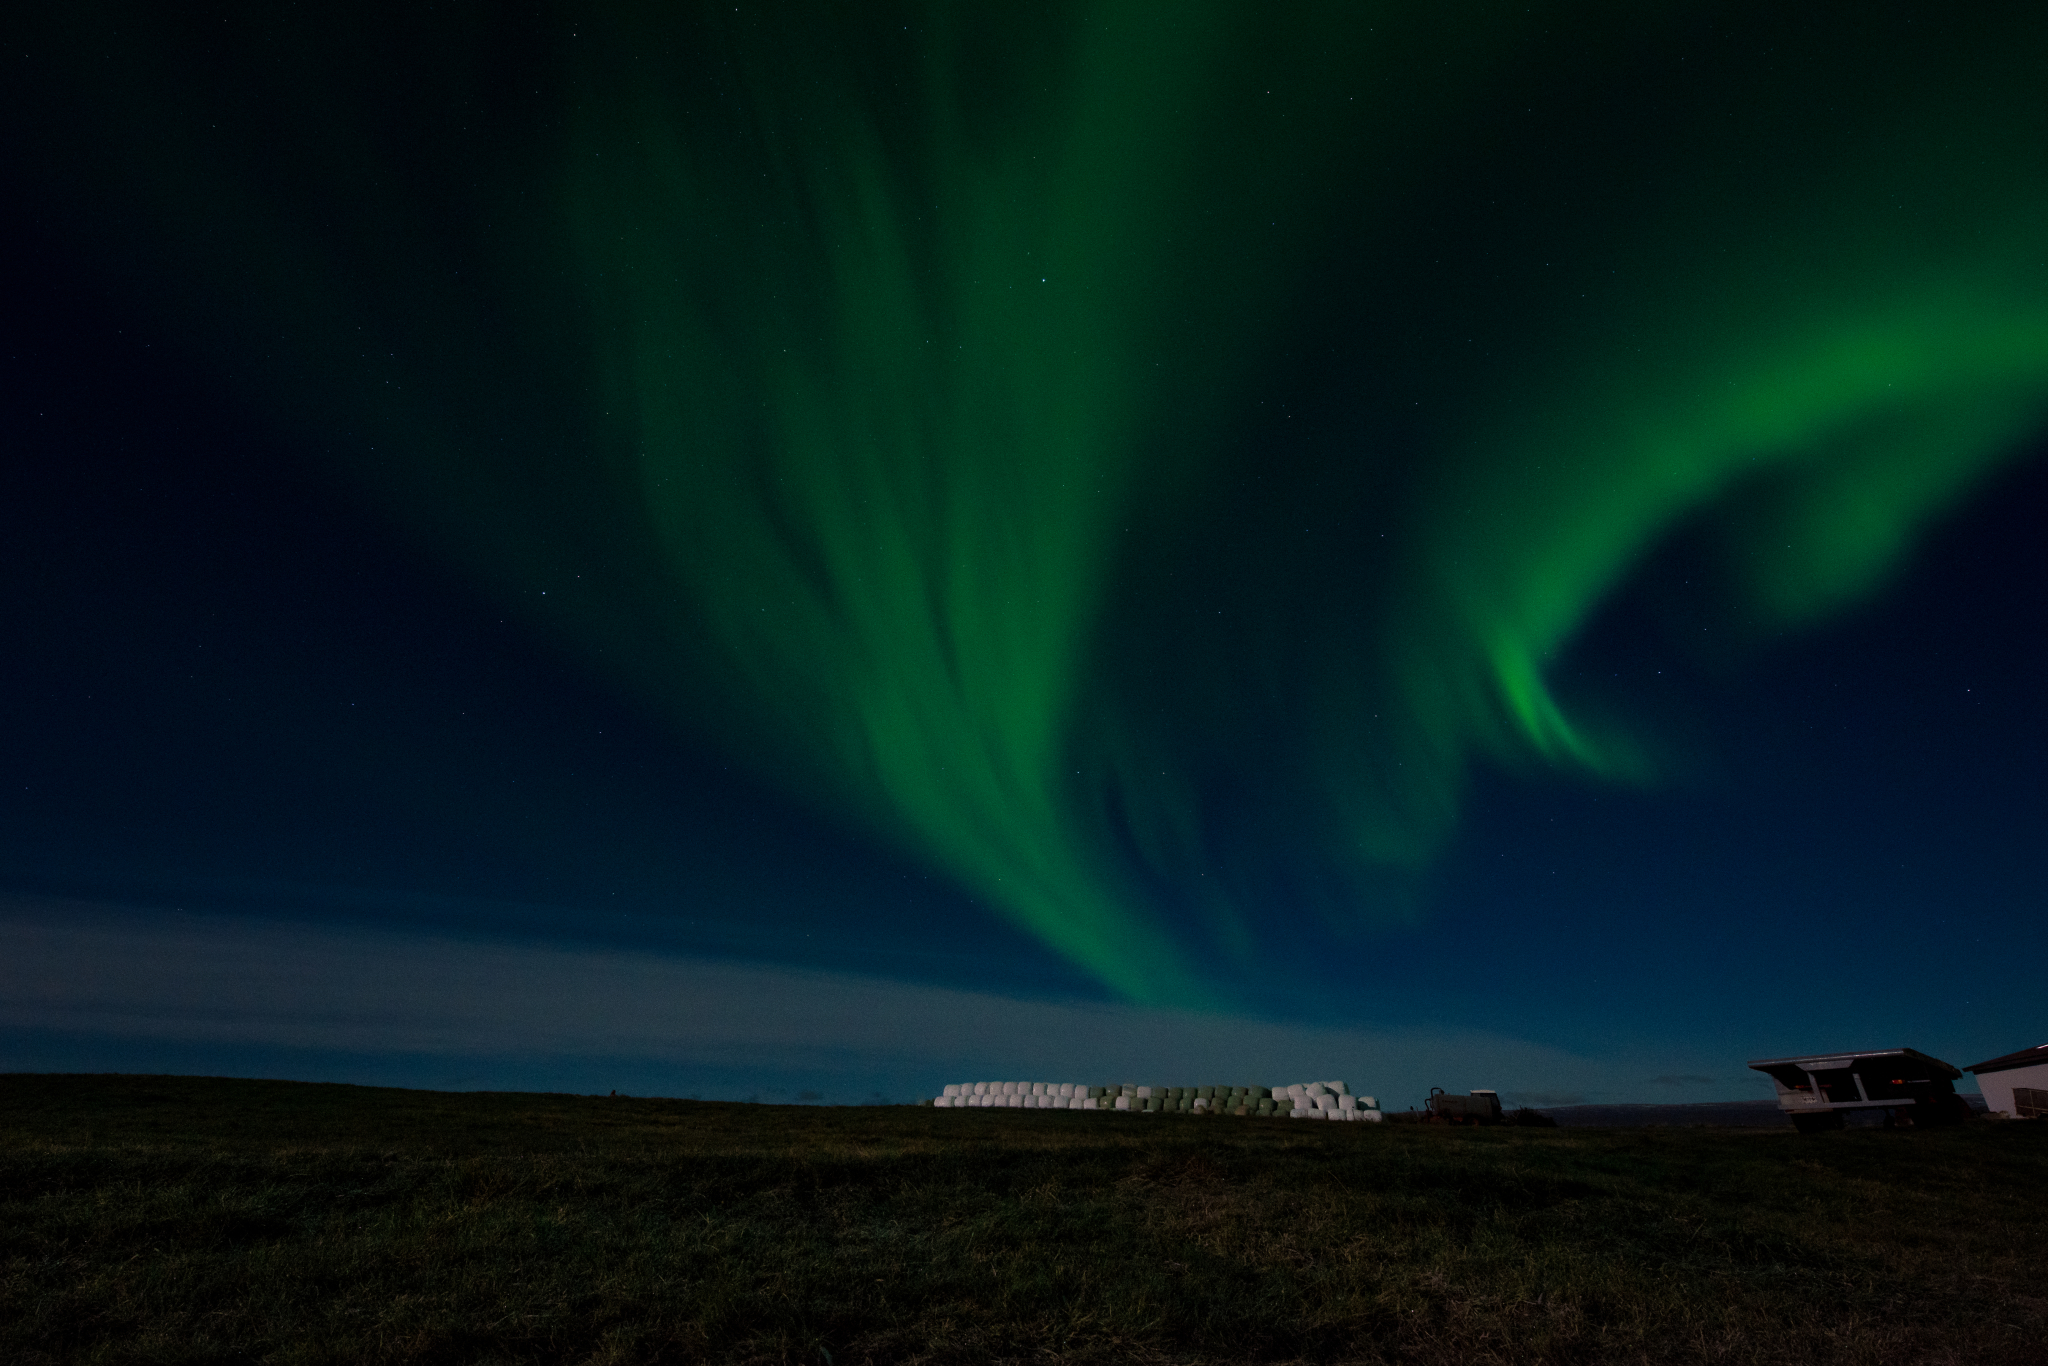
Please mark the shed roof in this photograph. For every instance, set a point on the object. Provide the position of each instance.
(1946, 1069)
(2026, 1057)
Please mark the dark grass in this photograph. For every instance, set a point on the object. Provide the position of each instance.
(181, 1220)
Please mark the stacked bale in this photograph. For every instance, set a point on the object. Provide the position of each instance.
(1019, 1095)
(1319, 1100)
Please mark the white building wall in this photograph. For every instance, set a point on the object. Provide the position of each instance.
(1997, 1086)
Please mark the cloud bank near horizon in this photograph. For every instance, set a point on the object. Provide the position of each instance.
(381, 1004)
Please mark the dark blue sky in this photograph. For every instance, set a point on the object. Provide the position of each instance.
(251, 712)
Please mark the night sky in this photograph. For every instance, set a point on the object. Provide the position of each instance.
(812, 551)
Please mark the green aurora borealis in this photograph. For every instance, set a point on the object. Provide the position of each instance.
(1139, 458)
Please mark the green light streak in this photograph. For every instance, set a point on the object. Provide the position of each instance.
(931, 368)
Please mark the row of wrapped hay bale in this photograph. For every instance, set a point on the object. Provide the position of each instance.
(1021, 1095)
(1324, 1100)
(1327, 1100)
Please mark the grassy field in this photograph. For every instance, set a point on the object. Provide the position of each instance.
(182, 1220)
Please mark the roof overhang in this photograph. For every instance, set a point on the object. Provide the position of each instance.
(2026, 1057)
(1829, 1062)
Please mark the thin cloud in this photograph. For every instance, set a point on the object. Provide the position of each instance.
(497, 1013)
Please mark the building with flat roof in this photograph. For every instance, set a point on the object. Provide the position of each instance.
(2016, 1084)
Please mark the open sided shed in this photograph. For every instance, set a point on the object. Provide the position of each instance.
(2016, 1084)
(1909, 1086)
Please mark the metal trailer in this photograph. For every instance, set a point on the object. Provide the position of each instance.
(1481, 1107)
(1914, 1090)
